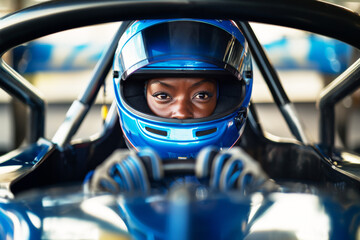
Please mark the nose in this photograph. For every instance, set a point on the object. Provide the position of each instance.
(182, 109)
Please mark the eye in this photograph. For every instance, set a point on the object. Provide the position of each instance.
(203, 95)
(162, 96)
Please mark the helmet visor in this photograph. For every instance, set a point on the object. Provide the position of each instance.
(181, 45)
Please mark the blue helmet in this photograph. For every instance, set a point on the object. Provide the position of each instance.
(182, 47)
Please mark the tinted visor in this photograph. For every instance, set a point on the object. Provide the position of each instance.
(196, 45)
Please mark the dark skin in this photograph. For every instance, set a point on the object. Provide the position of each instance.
(181, 98)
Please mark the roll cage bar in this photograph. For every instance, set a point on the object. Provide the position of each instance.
(345, 84)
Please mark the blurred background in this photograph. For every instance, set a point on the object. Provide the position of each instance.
(60, 66)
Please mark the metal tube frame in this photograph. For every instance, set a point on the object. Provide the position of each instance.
(273, 82)
(342, 86)
(81, 106)
(18, 87)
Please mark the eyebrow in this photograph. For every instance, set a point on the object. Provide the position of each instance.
(162, 83)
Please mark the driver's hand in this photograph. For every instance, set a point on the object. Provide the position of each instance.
(229, 169)
(126, 171)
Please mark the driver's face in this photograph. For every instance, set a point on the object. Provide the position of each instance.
(181, 98)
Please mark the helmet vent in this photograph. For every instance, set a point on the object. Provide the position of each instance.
(156, 131)
(205, 132)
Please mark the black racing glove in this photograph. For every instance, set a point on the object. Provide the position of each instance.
(126, 171)
(229, 169)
